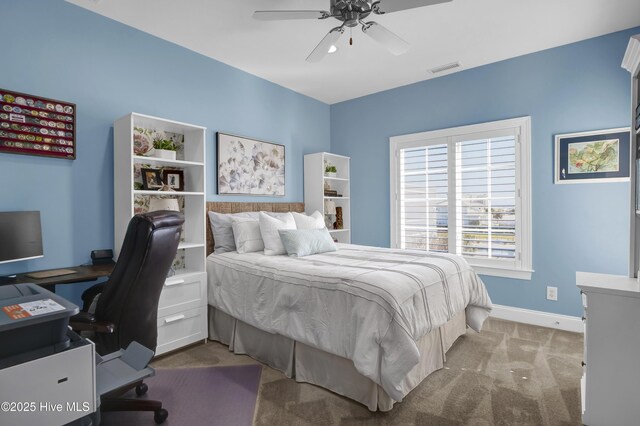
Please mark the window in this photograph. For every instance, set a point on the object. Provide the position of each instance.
(466, 190)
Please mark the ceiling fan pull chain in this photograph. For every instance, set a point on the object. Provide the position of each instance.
(350, 37)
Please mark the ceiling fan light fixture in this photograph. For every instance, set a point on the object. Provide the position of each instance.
(332, 49)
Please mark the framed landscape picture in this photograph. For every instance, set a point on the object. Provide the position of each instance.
(599, 156)
(249, 166)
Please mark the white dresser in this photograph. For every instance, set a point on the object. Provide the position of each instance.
(611, 372)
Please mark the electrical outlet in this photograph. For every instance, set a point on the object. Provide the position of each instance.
(552, 293)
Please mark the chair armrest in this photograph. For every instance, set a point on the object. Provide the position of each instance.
(89, 294)
(85, 321)
(83, 317)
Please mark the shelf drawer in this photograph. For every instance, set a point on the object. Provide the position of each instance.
(181, 293)
(181, 329)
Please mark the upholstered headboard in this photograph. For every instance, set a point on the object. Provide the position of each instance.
(224, 207)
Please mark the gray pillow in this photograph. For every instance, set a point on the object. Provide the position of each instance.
(222, 231)
(304, 242)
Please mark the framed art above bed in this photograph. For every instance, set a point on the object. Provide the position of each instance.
(250, 166)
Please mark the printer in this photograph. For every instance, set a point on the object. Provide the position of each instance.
(47, 372)
(33, 323)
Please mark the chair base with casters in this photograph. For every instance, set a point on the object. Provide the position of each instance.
(115, 402)
(121, 371)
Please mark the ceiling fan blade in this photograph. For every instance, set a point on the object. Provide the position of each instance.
(323, 47)
(392, 42)
(281, 15)
(389, 6)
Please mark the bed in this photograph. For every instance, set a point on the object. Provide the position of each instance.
(364, 322)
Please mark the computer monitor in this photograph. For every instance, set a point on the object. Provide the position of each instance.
(20, 236)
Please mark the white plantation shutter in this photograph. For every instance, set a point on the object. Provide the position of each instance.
(486, 196)
(465, 191)
(424, 198)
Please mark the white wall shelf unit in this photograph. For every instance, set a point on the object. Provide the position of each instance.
(314, 185)
(182, 312)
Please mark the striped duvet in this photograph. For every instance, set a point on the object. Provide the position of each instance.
(366, 304)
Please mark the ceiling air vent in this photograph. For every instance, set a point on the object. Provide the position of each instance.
(443, 68)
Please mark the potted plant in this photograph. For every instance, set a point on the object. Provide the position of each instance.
(164, 148)
(330, 170)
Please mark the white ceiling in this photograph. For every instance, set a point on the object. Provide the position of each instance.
(474, 32)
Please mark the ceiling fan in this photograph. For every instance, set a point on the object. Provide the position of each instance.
(351, 13)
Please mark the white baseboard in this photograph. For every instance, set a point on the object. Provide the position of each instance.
(543, 319)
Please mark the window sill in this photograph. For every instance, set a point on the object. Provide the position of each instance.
(518, 274)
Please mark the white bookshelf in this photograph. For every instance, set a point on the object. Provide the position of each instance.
(182, 314)
(314, 181)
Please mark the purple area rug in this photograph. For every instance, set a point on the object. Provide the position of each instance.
(198, 396)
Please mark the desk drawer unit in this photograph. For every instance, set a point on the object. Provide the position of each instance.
(55, 389)
(177, 330)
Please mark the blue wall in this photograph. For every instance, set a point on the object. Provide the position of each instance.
(109, 70)
(577, 87)
(57, 50)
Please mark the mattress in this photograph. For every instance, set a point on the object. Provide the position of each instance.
(366, 304)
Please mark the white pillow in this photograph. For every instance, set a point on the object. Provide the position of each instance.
(314, 221)
(269, 227)
(305, 242)
(277, 214)
(246, 233)
(222, 231)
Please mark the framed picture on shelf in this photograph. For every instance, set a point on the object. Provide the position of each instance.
(151, 179)
(590, 157)
(249, 166)
(174, 178)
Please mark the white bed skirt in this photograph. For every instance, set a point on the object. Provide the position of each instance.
(311, 365)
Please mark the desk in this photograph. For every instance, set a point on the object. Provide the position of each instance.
(83, 273)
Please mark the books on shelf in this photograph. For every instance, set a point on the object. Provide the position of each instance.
(331, 193)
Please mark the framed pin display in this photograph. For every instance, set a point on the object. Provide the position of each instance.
(33, 125)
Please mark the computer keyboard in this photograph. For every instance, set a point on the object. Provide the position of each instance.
(50, 273)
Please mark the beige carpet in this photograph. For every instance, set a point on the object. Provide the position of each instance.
(510, 374)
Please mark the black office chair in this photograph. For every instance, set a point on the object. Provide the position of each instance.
(127, 306)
